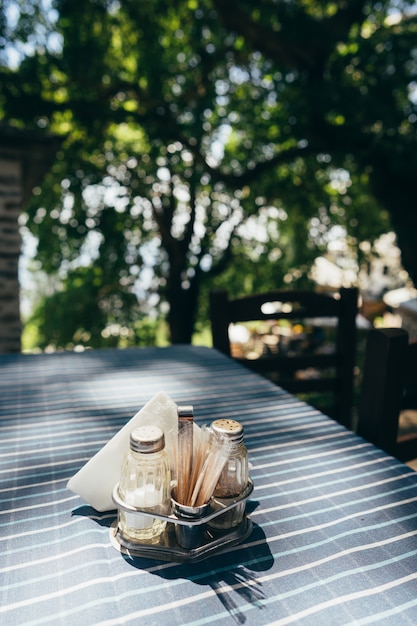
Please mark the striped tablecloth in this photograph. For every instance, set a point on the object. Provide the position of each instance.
(335, 519)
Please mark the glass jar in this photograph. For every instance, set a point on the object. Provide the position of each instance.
(145, 483)
(234, 477)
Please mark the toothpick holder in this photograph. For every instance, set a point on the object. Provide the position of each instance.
(189, 535)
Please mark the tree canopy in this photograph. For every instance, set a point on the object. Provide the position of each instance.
(206, 140)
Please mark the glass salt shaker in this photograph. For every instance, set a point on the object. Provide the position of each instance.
(234, 477)
(145, 483)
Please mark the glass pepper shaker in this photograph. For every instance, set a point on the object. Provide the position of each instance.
(145, 483)
(234, 477)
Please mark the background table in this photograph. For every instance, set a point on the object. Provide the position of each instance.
(335, 519)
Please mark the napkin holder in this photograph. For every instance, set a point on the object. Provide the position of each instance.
(167, 548)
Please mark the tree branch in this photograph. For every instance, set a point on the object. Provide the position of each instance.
(318, 35)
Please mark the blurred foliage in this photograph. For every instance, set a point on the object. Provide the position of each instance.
(206, 144)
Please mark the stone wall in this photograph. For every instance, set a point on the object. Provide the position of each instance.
(10, 245)
(25, 157)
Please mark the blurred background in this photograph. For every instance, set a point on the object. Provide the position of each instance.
(153, 151)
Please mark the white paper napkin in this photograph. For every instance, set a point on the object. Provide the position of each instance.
(95, 481)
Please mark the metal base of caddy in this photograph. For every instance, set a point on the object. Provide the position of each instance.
(167, 548)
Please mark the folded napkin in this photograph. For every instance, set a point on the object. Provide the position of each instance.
(95, 481)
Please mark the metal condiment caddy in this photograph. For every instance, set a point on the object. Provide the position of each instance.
(206, 513)
(185, 539)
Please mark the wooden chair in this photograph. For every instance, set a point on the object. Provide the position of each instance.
(388, 390)
(288, 361)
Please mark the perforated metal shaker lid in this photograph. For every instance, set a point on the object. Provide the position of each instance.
(231, 429)
(147, 439)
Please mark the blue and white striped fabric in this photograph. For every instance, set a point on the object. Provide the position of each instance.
(335, 519)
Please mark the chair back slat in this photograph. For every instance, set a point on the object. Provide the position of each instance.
(283, 305)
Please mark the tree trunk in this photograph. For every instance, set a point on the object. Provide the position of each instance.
(183, 309)
(394, 183)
